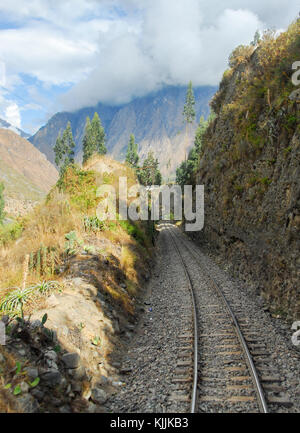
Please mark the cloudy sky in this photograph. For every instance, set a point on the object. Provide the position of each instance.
(67, 54)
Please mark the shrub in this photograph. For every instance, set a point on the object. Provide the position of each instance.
(239, 55)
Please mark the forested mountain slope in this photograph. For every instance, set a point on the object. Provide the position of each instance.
(156, 121)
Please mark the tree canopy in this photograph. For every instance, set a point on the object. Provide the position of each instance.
(189, 113)
(132, 157)
(64, 149)
(149, 173)
(94, 138)
(185, 171)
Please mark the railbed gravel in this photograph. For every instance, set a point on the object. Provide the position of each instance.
(153, 352)
(275, 334)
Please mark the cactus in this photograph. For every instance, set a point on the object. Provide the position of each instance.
(31, 264)
(38, 263)
(52, 262)
(93, 224)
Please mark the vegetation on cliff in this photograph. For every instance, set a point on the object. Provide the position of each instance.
(249, 164)
(94, 138)
(67, 225)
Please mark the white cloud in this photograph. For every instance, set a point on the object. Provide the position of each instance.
(12, 115)
(175, 44)
(114, 50)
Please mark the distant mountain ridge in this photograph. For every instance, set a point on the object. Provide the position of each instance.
(26, 173)
(6, 125)
(155, 120)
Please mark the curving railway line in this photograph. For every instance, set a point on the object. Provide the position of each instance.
(202, 344)
(223, 365)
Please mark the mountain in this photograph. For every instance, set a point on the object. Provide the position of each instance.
(6, 125)
(25, 172)
(155, 120)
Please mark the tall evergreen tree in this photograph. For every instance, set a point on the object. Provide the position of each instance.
(189, 113)
(185, 173)
(88, 145)
(64, 149)
(98, 135)
(149, 172)
(2, 203)
(132, 157)
(199, 133)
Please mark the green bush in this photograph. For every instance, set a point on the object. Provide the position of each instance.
(134, 231)
(10, 232)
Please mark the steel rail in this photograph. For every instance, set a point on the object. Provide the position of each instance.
(194, 311)
(259, 390)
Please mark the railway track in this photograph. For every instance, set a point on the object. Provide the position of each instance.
(229, 361)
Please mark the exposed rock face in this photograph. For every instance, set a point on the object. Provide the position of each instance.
(250, 167)
(25, 172)
(155, 120)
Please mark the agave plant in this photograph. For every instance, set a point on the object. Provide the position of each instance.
(93, 224)
(14, 301)
(45, 287)
(72, 243)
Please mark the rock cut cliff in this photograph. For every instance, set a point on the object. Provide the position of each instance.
(250, 166)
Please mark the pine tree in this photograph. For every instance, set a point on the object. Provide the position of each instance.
(185, 173)
(68, 144)
(149, 172)
(132, 157)
(98, 135)
(189, 113)
(189, 107)
(256, 39)
(199, 133)
(89, 147)
(58, 150)
(64, 149)
(2, 203)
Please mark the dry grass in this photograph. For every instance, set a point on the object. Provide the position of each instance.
(47, 226)
(8, 403)
(63, 212)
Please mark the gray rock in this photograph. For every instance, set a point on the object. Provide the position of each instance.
(37, 393)
(65, 409)
(76, 387)
(28, 404)
(36, 324)
(92, 408)
(5, 320)
(52, 377)
(77, 373)
(32, 372)
(51, 355)
(52, 364)
(71, 360)
(99, 396)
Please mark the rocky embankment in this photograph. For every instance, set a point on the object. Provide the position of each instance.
(64, 357)
(250, 166)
